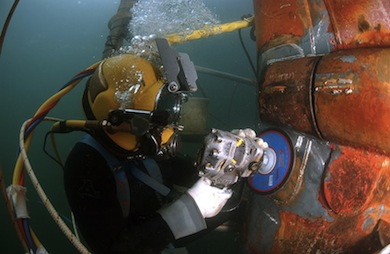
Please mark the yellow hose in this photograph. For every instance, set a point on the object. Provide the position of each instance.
(78, 124)
(209, 31)
(19, 163)
(62, 92)
(35, 239)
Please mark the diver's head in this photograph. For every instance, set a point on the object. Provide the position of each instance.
(132, 94)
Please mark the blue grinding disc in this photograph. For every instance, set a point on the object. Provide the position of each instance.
(277, 163)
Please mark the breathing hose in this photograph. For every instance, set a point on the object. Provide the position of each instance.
(118, 27)
(209, 31)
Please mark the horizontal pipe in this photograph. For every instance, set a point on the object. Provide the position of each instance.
(226, 75)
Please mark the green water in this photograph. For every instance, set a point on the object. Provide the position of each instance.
(50, 41)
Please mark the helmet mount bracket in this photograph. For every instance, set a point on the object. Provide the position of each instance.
(179, 69)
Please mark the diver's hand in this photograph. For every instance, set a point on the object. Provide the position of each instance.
(227, 156)
(249, 133)
(186, 215)
(210, 200)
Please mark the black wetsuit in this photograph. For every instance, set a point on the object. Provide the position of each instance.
(91, 192)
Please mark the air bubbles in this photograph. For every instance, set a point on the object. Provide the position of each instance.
(170, 16)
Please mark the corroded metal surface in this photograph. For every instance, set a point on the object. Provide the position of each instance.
(319, 27)
(347, 210)
(348, 186)
(286, 94)
(352, 98)
(324, 71)
(348, 103)
(265, 222)
(300, 22)
(360, 23)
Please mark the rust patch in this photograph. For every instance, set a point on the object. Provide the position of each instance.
(360, 23)
(369, 35)
(363, 24)
(271, 17)
(299, 235)
(349, 184)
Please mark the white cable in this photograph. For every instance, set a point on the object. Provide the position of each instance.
(50, 208)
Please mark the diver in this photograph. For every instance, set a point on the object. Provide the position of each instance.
(128, 189)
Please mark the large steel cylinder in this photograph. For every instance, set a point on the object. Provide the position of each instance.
(352, 98)
(293, 28)
(324, 85)
(341, 97)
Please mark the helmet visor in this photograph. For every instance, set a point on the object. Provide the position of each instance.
(168, 107)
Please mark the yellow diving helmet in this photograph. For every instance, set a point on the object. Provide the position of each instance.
(141, 101)
(129, 92)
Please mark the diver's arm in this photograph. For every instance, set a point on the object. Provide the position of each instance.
(186, 215)
(91, 191)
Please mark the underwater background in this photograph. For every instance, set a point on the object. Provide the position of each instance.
(50, 41)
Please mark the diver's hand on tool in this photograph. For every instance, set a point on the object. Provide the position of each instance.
(209, 199)
(249, 133)
(227, 156)
(186, 215)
